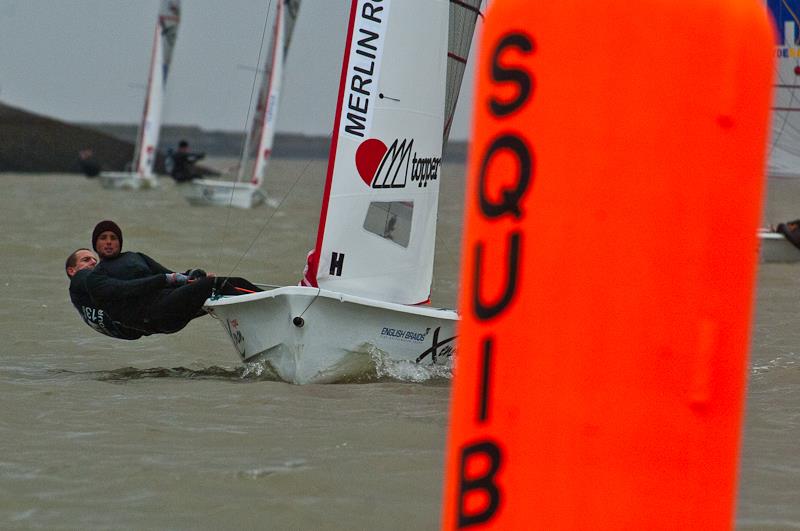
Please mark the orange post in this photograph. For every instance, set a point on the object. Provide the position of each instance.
(615, 180)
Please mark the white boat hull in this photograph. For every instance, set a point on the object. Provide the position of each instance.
(310, 335)
(121, 180)
(774, 247)
(208, 192)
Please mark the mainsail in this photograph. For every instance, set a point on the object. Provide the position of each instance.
(463, 16)
(166, 33)
(378, 222)
(260, 135)
(784, 144)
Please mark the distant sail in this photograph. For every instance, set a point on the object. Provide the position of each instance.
(168, 19)
(291, 10)
(463, 16)
(784, 146)
(260, 135)
(166, 33)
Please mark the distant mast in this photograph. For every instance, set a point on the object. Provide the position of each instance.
(166, 33)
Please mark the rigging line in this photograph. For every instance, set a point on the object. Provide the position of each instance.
(244, 140)
(319, 290)
(268, 220)
(776, 138)
(785, 118)
(784, 122)
(789, 9)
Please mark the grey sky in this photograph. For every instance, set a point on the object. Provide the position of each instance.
(87, 61)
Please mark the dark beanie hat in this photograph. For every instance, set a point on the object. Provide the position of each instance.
(103, 226)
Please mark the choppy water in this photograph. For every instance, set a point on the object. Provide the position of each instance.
(171, 432)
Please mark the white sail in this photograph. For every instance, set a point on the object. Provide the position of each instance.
(378, 223)
(166, 32)
(463, 16)
(245, 191)
(258, 145)
(784, 147)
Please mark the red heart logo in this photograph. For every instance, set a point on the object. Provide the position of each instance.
(368, 157)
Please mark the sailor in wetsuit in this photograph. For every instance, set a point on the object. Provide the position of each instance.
(145, 295)
(142, 295)
(181, 163)
(791, 230)
(78, 266)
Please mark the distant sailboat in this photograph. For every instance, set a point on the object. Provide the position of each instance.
(369, 278)
(141, 174)
(245, 191)
(784, 148)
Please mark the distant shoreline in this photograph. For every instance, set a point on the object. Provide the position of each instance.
(33, 143)
(217, 143)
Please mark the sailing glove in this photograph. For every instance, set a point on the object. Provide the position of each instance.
(194, 274)
(176, 279)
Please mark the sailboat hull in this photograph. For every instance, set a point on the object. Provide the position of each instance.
(208, 192)
(774, 247)
(121, 180)
(311, 335)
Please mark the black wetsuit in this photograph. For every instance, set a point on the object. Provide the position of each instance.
(183, 169)
(89, 167)
(791, 230)
(93, 316)
(133, 288)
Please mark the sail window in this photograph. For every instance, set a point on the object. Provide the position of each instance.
(390, 220)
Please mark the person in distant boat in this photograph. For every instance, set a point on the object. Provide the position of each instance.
(180, 163)
(791, 230)
(80, 263)
(87, 163)
(145, 296)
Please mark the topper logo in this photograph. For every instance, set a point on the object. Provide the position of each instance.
(382, 167)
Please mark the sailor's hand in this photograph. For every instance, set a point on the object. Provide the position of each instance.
(177, 279)
(194, 274)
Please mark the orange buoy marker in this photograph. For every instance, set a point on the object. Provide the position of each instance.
(615, 179)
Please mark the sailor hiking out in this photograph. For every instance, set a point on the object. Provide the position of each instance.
(128, 295)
